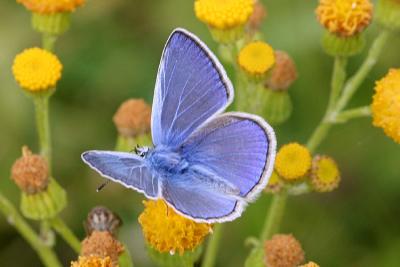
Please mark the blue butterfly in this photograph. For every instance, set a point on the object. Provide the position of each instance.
(206, 165)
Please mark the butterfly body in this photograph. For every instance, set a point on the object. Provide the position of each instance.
(205, 164)
(164, 161)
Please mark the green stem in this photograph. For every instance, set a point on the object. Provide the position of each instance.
(346, 115)
(318, 135)
(48, 41)
(355, 81)
(212, 247)
(274, 216)
(66, 234)
(338, 78)
(46, 234)
(41, 102)
(46, 255)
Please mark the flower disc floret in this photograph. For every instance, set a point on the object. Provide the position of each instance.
(386, 104)
(167, 231)
(223, 14)
(344, 17)
(293, 161)
(325, 174)
(93, 261)
(36, 69)
(256, 58)
(51, 6)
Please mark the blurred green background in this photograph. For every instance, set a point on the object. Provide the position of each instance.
(112, 52)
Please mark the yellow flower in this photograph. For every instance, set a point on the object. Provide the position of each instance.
(92, 261)
(344, 17)
(310, 264)
(293, 161)
(256, 58)
(283, 251)
(167, 231)
(36, 69)
(223, 14)
(386, 104)
(51, 6)
(325, 175)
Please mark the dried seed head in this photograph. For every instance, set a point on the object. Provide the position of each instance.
(102, 244)
(133, 118)
(30, 172)
(102, 219)
(257, 17)
(283, 73)
(283, 251)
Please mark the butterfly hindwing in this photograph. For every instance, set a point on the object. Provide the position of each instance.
(191, 86)
(125, 168)
(237, 147)
(196, 201)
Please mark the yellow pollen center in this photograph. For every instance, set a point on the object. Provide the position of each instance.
(223, 14)
(293, 161)
(256, 58)
(327, 171)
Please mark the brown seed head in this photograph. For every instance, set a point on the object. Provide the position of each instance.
(283, 251)
(30, 172)
(284, 72)
(102, 244)
(102, 219)
(133, 118)
(257, 17)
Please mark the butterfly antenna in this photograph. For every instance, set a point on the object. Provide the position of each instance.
(102, 186)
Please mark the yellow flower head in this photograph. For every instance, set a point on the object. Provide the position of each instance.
(92, 261)
(293, 161)
(386, 104)
(36, 69)
(283, 251)
(274, 184)
(256, 58)
(344, 17)
(51, 6)
(325, 175)
(223, 14)
(167, 231)
(310, 264)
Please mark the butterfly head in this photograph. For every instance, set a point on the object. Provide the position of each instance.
(141, 151)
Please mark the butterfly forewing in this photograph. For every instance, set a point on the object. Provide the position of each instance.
(125, 168)
(191, 86)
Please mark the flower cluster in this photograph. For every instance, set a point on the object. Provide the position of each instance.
(167, 231)
(296, 169)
